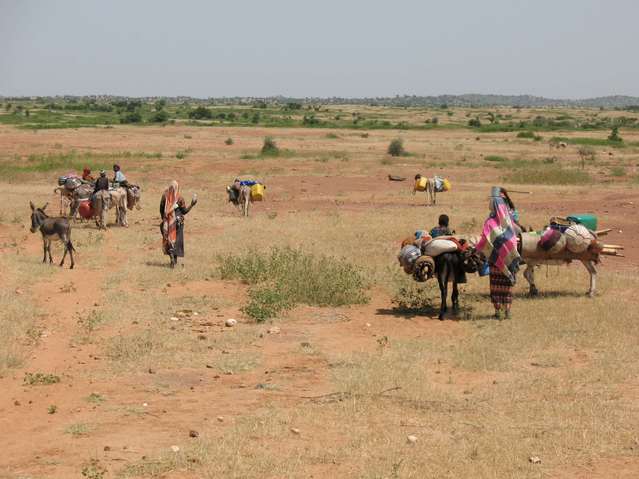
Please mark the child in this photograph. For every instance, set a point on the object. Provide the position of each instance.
(442, 229)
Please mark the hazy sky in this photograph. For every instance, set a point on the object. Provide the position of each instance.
(352, 48)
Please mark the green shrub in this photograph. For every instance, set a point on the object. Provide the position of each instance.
(614, 135)
(396, 147)
(285, 277)
(228, 141)
(618, 171)
(270, 148)
(201, 113)
(526, 134)
(159, 117)
(332, 136)
(265, 303)
(474, 123)
(495, 158)
(131, 117)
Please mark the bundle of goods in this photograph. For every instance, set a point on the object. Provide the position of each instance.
(257, 192)
(70, 181)
(85, 209)
(441, 184)
(421, 183)
(565, 239)
(417, 257)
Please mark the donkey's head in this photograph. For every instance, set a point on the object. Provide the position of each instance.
(37, 216)
(233, 194)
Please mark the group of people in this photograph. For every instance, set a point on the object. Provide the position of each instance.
(498, 244)
(102, 182)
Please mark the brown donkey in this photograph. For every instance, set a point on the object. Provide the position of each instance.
(52, 229)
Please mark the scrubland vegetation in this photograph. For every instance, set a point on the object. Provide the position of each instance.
(336, 358)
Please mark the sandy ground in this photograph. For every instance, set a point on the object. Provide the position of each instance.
(150, 409)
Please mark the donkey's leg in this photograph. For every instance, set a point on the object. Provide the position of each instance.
(590, 266)
(49, 250)
(70, 248)
(65, 243)
(442, 279)
(455, 297)
(529, 274)
(44, 249)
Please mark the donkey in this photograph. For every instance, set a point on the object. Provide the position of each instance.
(101, 204)
(430, 190)
(452, 268)
(241, 199)
(52, 229)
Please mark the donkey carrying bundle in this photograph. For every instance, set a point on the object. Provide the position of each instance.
(448, 258)
(57, 229)
(563, 242)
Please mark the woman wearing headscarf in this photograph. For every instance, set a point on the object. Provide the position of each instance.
(172, 210)
(498, 243)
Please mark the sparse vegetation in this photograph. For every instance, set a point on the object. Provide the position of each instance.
(614, 135)
(39, 379)
(78, 429)
(618, 171)
(552, 175)
(396, 147)
(228, 141)
(495, 158)
(269, 147)
(286, 277)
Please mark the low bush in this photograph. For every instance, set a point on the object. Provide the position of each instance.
(131, 117)
(396, 147)
(159, 117)
(270, 148)
(526, 134)
(495, 158)
(201, 113)
(285, 277)
(228, 141)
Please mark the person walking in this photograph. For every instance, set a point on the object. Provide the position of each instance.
(498, 243)
(172, 210)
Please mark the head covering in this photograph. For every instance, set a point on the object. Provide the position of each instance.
(116, 167)
(498, 241)
(86, 170)
(102, 173)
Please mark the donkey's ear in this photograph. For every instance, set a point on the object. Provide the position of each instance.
(45, 206)
(32, 205)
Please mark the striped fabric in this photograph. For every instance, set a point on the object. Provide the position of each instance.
(498, 241)
(170, 199)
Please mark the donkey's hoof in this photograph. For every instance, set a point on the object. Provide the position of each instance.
(533, 292)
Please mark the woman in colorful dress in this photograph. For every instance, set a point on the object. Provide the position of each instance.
(498, 243)
(172, 210)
